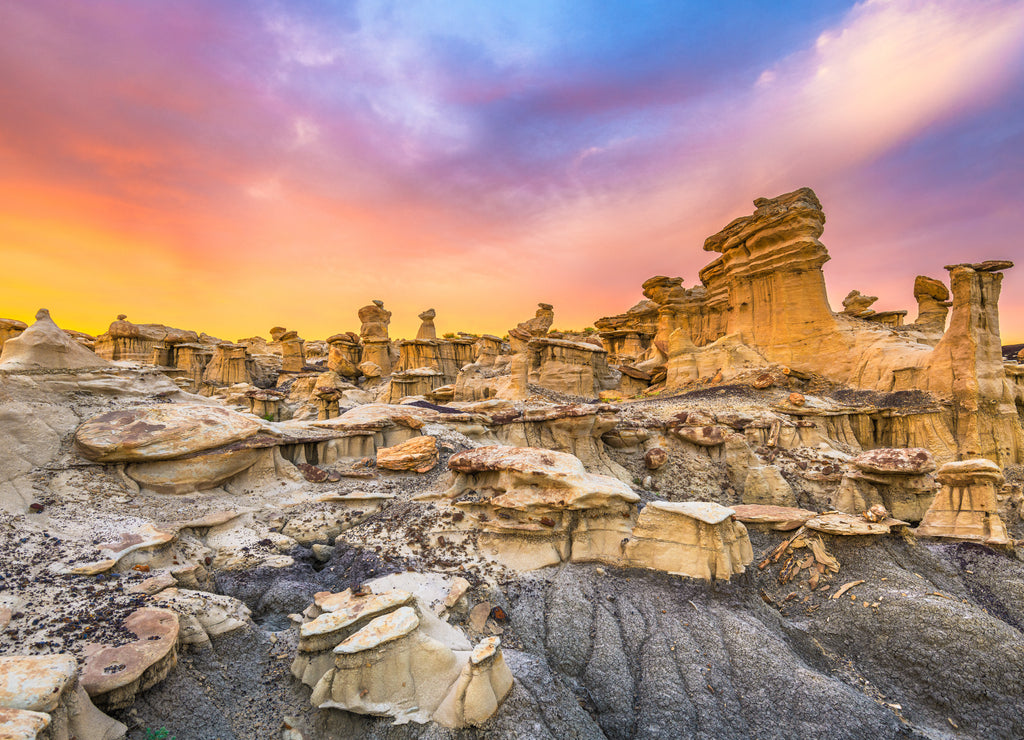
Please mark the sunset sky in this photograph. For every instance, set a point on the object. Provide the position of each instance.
(230, 166)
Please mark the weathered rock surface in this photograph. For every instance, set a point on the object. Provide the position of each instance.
(965, 507)
(43, 346)
(161, 432)
(418, 454)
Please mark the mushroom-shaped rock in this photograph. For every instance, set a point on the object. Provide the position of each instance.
(965, 507)
(427, 330)
(689, 538)
(43, 346)
(897, 479)
(161, 432)
(113, 675)
(418, 454)
(534, 506)
(485, 680)
(389, 667)
(343, 615)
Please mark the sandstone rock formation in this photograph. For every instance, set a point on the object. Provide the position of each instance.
(689, 538)
(858, 305)
(374, 333)
(483, 684)
(933, 304)
(43, 346)
(10, 328)
(293, 357)
(539, 325)
(40, 696)
(427, 330)
(899, 480)
(114, 674)
(418, 454)
(345, 354)
(965, 507)
(144, 343)
(228, 366)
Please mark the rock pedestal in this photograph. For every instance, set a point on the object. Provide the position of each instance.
(965, 507)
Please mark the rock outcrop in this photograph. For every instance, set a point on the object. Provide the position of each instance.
(689, 538)
(43, 346)
(899, 480)
(374, 333)
(427, 330)
(143, 343)
(965, 507)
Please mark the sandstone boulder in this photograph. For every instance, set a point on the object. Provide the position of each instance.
(161, 432)
(113, 675)
(418, 454)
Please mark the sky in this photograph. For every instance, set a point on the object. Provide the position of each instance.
(230, 166)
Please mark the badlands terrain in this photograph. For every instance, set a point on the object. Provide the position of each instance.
(729, 511)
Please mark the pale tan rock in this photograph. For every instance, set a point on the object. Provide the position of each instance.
(459, 588)
(375, 319)
(370, 369)
(22, 724)
(427, 330)
(965, 508)
(345, 354)
(900, 461)
(293, 355)
(765, 485)
(143, 343)
(703, 436)
(335, 618)
(540, 324)
(932, 304)
(782, 518)
(418, 454)
(43, 346)
(390, 668)
(856, 304)
(112, 676)
(160, 432)
(479, 690)
(35, 682)
(146, 537)
(202, 615)
(40, 692)
(524, 502)
(691, 538)
(228, 366)
(841, 523)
